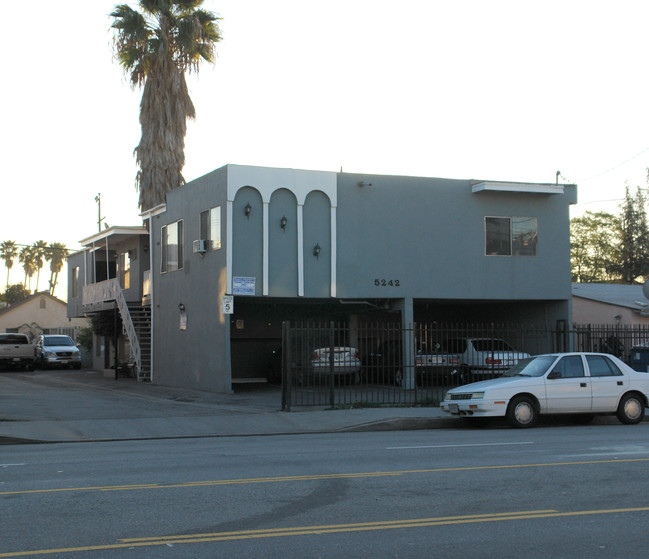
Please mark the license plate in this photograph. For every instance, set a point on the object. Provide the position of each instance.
(64, 362)
(16, 358)
(453, 408)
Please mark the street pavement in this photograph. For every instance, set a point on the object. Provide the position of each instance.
(74, 406)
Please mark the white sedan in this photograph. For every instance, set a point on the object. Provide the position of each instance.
(558, 383)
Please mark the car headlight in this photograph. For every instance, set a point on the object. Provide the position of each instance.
(447, 396)
(49, 354)
(477, 395)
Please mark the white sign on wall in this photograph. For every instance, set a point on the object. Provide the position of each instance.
(243, 286)
(228, 304)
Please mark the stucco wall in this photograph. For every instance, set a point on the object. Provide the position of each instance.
(587, 311)
(197, 357)
(429, 234)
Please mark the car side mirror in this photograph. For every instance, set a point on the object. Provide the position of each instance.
(555, 374)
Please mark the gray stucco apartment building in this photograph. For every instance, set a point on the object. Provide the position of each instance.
(276, 244)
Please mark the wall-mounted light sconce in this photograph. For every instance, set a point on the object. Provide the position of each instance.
(316, 250)
(363, 183)
(247, 210)
(283, 222)
(181, 307)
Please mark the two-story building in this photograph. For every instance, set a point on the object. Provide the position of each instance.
(232, 255)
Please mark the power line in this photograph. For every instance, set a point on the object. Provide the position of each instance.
(615, 166)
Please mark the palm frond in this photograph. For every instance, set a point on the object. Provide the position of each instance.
(155, 47)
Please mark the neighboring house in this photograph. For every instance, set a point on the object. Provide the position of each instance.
(232, 255)
(38, 314)
(111, 274)
(609, 303)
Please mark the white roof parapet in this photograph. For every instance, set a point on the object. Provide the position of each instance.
(523, 187)
(113, 232)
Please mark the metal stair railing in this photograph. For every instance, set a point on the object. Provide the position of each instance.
(127, 322)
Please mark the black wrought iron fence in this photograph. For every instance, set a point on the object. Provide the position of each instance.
(387, 364)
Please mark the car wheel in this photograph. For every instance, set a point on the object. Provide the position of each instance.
(631, 409)
(522, 412)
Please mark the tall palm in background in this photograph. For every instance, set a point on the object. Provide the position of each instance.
(8, 252)
(26, 258)
(156, 47)
(57, 255)
(41, 254)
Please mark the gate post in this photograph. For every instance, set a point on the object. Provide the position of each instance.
(332, 343)
(286, 368)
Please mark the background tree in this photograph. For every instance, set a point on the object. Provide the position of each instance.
(26, 258)
(41, 254)
(57, 253)
(594, 247)
(8, 252)
(14, 293)
(633, 264)
(156, 47)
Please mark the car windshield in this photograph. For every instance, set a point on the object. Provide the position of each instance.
(58, 340)
(531, 367)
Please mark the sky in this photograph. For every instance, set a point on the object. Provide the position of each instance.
(466, 89)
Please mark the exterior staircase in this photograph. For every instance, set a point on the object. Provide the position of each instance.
(136, 322)
(141, 319)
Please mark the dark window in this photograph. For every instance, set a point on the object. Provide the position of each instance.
(172, 247)
(491, 345)
(75, 282)
(210, 227)
(570, 366)
(511, 236)
(456, 345)
(601, 366)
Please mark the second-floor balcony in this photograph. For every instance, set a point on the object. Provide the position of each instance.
(103, 293)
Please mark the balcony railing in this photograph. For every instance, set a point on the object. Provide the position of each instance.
(110, 290)
(100, 292)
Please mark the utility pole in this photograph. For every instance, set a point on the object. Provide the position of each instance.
(99, 218)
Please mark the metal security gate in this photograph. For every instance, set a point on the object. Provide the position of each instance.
(335, 365)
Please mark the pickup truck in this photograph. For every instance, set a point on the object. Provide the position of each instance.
(16, 352)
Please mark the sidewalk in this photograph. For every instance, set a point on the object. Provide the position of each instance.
(73, 406)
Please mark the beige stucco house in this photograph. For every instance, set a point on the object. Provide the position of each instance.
(37, 314)
(609, 303)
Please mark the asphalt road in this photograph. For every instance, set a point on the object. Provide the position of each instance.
(556, 491)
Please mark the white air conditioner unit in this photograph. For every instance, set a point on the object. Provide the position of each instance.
(201, 245)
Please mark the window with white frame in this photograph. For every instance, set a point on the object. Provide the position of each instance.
(511, 236)
(172, 247)
(210, 227)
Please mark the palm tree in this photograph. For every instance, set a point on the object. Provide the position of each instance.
(57, 254)
(26, 258)
(8, 251)
(156, 47)
(40, 254)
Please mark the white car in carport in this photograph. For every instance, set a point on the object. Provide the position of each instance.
(557, 383)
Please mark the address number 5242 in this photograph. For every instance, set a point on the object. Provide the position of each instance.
(387, 283)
